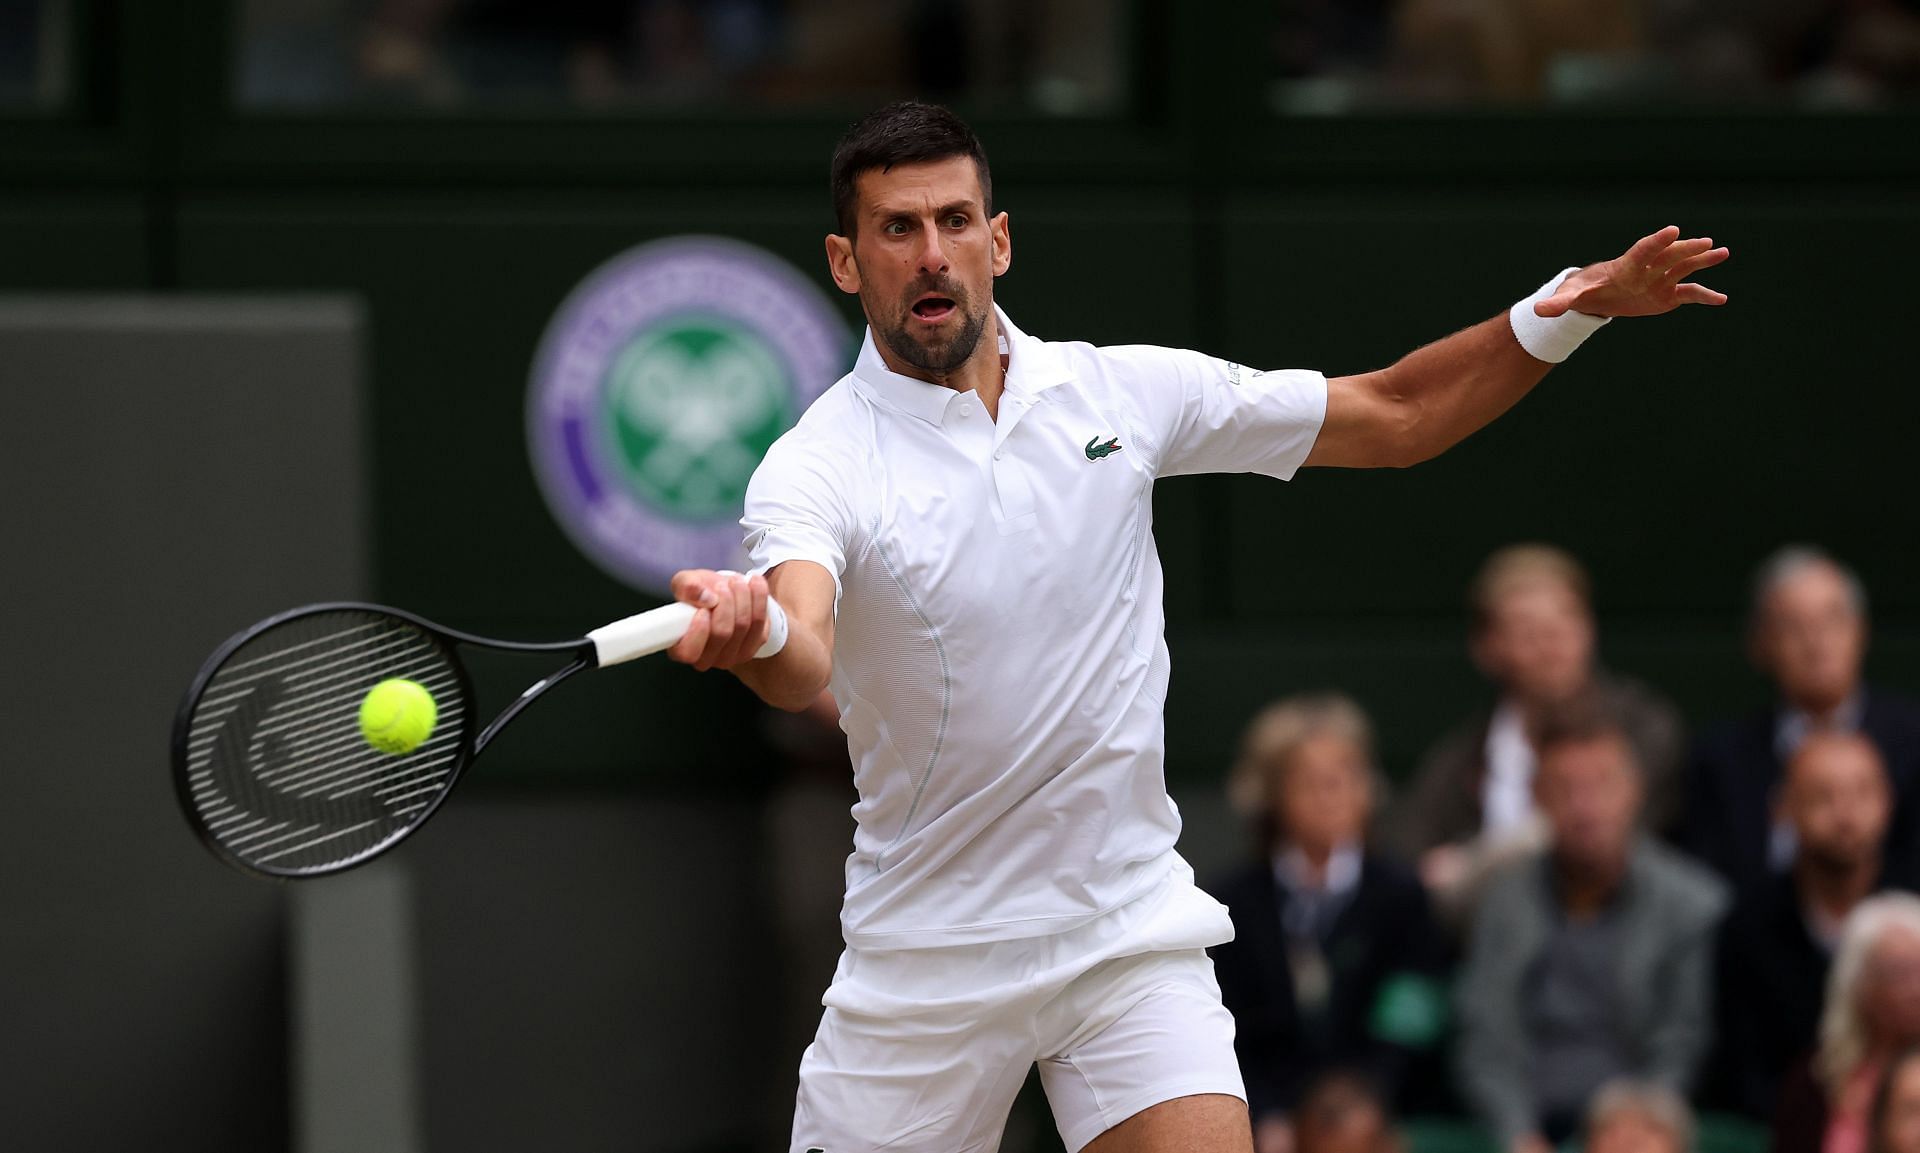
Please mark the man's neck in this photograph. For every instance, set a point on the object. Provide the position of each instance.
(1321, 867)
(984, 373)
(1317, 857)
(1830, 890)
(1587, 889)
(1827, 712)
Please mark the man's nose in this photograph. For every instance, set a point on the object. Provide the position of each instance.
(933, 254)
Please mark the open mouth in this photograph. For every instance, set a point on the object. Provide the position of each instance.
(933, 309)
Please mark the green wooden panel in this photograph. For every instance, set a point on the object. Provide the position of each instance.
(73, 241)
(1670, 453)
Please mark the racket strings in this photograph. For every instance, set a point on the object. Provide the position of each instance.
(276, 766)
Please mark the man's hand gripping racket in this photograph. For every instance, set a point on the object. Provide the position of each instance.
(277, 774)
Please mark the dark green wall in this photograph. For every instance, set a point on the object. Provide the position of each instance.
(1671, 454)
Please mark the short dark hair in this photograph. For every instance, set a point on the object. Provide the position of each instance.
(1586, 718)
(904, 132)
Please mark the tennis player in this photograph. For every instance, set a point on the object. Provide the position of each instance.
(959, 534)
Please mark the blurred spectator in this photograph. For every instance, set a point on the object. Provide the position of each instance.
(1471, 799)
(1776, 945)
(1872, 1012)
(1336, 961)
(1508, 51)
(1589, 961)
(1630, 1117)
(1343, 1113)
(1809, 634)
(1862, 52)
(1896, 1108)
(1059, 57)
(1315, 38)
(33, 52)
(1335, 57)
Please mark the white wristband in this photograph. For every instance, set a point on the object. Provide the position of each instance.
(776, 622)
(1551, 338)
(776, 630)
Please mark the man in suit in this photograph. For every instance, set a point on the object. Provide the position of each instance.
(1809, 635)
(1591, 960)
(1778, 943)
(1336, 964)
(1470, 802)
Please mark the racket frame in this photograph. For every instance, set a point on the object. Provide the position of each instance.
(471, 743)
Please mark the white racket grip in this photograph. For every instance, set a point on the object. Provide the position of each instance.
(655, 630)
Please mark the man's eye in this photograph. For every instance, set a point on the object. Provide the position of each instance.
(896, 228)
(956, 221)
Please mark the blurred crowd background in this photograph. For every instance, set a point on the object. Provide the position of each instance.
(1062, 57)
(1068, 56)
(1571, 909)
(1565, 789)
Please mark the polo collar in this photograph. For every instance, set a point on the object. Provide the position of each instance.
(1033, 366)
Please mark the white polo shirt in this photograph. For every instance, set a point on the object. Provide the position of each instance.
(1000, 658)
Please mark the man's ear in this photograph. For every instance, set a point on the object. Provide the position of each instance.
(1002, 237)
(841, 265)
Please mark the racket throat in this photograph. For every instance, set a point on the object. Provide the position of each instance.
(532, 693)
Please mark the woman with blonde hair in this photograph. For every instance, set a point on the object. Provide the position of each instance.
(1336, 963)
(1872, 1013)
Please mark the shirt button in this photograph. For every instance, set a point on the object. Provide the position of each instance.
(999, 454)
(966, 410)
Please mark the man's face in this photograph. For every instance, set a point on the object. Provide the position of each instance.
(1632, 1133)
(1835, 796)
(1589, 792)
(1324, 793)
(1537, 643)
(1811, 639)
(922, 258)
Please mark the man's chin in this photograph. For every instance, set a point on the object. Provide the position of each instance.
(936, 353)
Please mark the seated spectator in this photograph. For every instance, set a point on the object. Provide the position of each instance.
(1896, 1108)
(1590, 960)
(1872, 1013)
(1336, 962)
(1809, 634)
(1471, 799)
(1510, 51)
(1776, 945)
(1343, 1113)
(1630, 1117)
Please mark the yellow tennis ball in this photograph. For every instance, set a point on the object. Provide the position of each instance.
(397, 716)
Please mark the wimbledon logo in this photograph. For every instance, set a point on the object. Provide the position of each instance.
(658, 387)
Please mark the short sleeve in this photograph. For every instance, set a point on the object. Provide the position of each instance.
(796, 509)
(1212, 415)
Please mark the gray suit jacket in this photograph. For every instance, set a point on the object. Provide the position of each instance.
(1670, 908)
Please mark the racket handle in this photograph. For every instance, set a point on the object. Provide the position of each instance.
(658, 629)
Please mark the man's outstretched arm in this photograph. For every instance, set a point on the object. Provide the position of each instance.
(1438, 395)
(732, 625)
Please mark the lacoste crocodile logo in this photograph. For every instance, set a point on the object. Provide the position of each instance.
(1096, 450)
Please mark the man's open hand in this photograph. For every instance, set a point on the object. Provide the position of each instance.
(1649, 279)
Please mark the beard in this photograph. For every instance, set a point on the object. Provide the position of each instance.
(1835, 859)
(935, 357)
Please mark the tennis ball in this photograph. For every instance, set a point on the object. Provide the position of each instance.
(397, 716)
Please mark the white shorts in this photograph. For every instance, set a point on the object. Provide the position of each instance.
(925, 1049)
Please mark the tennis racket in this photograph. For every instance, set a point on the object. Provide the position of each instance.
(268, 758)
